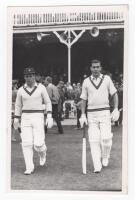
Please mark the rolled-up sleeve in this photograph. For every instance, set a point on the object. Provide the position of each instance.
(112, 89)
(46, 100)
(84, 94)
(18, 104)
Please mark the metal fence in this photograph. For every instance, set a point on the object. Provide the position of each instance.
(59, 18)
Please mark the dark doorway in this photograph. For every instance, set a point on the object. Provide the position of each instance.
(50, 57)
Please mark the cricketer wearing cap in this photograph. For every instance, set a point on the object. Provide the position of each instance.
(96, 89)
(29, 107)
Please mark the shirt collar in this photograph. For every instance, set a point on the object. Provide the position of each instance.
(26, 86)
(93, 78)
(50, 84)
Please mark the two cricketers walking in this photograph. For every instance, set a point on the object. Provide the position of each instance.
(29, 106)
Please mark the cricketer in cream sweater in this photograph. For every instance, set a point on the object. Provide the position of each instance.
(29, 107)
(96, 90)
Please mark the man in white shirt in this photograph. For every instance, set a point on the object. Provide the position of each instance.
(29, 108)
(96, 90)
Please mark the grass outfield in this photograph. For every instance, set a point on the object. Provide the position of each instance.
(63, 170)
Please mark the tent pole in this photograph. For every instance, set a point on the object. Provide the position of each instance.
(69, 64)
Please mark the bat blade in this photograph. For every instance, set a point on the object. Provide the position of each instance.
(84, 152)
(84, 156)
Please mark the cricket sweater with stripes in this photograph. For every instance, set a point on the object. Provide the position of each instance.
(32, 99)
(97, 92)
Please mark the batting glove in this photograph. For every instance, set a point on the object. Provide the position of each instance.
(16, 123)
(49, 121)
(115, 115)
(83, 120)
(43, 106)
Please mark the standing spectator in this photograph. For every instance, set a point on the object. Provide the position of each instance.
(60, 87)
(29, 108)
(77, 101)
(74, 86)
(84, 76)
(73, 91)
(120, 94)
(96, 90)
(65, 77)
(38, 78)
(14, 94)
(54, 96)
(55, 79)
(116, 75)
(78, 109)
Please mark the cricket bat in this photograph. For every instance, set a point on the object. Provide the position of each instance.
(84, 151)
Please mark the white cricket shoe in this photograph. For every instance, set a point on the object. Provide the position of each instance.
(105, 162)
(97, 170)
(42, 158)
(29, 171)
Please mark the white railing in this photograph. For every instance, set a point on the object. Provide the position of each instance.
(60, 18)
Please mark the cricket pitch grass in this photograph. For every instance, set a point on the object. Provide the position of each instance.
(64, 168)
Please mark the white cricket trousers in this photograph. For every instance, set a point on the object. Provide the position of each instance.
(32, 134)
(100, 136)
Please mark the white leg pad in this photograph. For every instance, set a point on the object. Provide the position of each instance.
(28, 157)
(96, 155)
(40, 148)
(106, 146)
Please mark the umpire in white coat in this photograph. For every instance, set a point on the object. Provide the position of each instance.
(96, 90)
(29, 108)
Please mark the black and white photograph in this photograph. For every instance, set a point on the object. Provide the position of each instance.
(67, 103)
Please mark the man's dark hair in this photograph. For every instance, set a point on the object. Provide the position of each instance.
(95, 61)
(49, 79)
(61, 82)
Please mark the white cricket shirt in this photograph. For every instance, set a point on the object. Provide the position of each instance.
(97, 91)
(31, 99)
